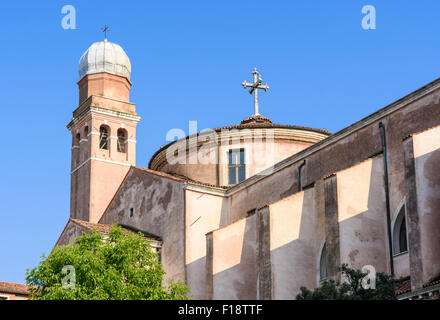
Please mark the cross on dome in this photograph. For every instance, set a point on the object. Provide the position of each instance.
(254, 88)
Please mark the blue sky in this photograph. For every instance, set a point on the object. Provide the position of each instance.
(188, 60)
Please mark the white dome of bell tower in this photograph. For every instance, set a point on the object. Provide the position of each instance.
(105, 56)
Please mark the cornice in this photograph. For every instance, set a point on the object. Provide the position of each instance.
(158, 160)
(92, 109)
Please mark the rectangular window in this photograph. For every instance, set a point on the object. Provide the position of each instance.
(131, 212)
(236, 166)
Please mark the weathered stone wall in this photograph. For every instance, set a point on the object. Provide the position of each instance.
(70, 233)
(158, 208)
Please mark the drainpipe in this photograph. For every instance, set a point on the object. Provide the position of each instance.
(387, 196)
(299, 174)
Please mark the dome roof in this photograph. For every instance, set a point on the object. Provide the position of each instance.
(105, 56)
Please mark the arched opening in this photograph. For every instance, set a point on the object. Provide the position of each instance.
(400, 241)
(77, 139)
(86, 132)
(122, 139)
(104, 137)
(323, 264)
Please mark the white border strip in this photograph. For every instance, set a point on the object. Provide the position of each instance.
(102, 160)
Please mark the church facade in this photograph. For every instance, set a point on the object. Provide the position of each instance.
(256, 210)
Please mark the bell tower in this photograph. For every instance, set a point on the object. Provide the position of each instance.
(103, 130)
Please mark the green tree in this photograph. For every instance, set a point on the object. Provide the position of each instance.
(352, 288)
(121, 267)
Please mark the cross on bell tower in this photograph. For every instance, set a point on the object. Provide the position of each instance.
(105, 29)
(254, 88)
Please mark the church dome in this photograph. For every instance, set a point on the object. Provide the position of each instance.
(105, 56)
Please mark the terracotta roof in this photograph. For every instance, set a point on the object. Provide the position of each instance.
(17, 288)
(403, 287)
(259, 121)
(199, 182)
(256, 119)
(177, 177)
(162, 174)
(105, 228)
(432, 283)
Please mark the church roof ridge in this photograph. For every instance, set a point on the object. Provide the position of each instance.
(177, 177)
(105, 228)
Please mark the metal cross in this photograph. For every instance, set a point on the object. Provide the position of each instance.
(253, 88)
(105, 29)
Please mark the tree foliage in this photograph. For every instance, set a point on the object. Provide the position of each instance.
(121, 266)
(352, 288)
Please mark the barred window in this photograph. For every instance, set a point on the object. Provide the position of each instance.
(103, 138)
(122, 139)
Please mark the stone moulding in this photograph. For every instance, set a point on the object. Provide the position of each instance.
(158, 161)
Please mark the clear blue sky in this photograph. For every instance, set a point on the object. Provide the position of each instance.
(188, 60)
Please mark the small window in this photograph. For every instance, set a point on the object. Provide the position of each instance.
(122, 139)
(103, 138)
(236, 166)
(86, 132)
(131, 212)
(400, 242)
(323, 264)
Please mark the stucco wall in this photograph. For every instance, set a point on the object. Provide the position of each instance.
(105, 181)
(234, 260)
(204, 213)
(158, 208)
(80, 193)
(427, 169)
(362, 215)
(296, 233)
